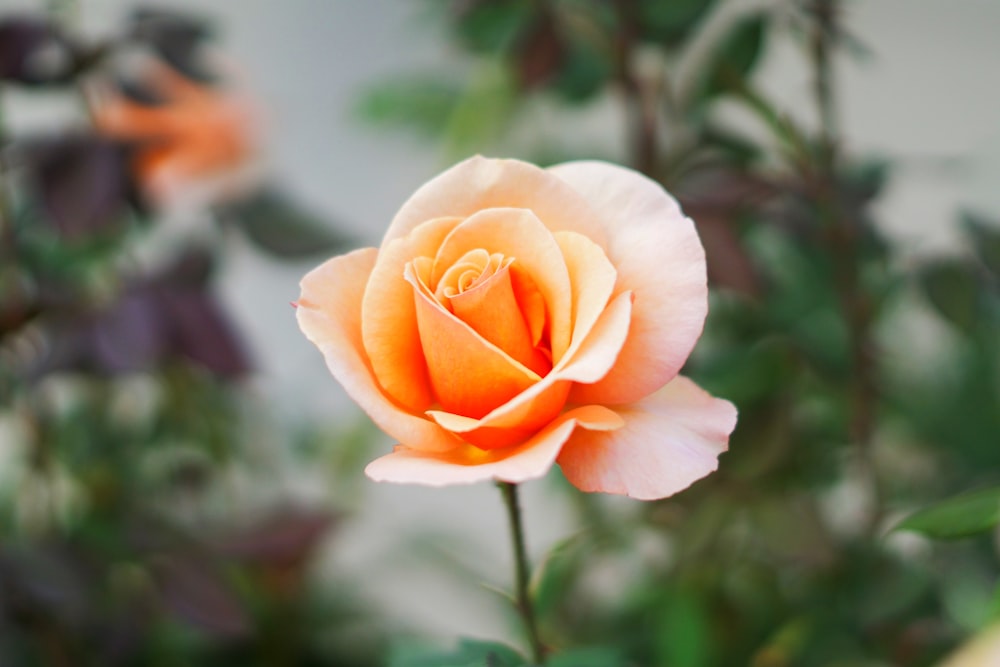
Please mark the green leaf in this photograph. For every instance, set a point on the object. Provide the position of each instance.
(583, 74)
(684, 636)
(962, 516)
(490, 27)
(419, 102)
(557, 573)
(671, 23)
(985, 237)
(734, 59)
(470, 653)
(598, 656)
(953, 287)
(278, 226)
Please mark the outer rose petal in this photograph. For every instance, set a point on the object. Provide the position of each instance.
(480, 183)
(329, 314)
(659, 258)
(670, 440)
(468, 464)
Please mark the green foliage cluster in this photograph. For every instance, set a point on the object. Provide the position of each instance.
(867, 380)
(125, 416)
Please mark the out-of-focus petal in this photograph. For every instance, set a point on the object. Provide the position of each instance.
(671, 439)
(329, 314)
(660, 259)
(468, 464)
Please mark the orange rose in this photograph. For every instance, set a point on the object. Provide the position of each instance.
(198, 141)
(515, 317)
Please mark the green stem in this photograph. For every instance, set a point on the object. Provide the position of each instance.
(522, 597)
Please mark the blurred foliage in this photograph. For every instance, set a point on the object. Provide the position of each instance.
(867, 379)
(125, 419)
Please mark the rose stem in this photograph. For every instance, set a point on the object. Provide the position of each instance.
(522, 598)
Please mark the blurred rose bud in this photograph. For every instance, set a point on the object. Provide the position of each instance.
(195, 143)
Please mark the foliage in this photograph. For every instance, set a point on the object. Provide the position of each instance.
(124, 403)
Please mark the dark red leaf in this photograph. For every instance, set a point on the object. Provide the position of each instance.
(81, 183)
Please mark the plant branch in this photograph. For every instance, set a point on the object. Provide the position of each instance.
(845, 237)
(522, 597)
(641, 114)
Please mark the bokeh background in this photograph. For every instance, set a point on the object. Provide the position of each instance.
(920, 94)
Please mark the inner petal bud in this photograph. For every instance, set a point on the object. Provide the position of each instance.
(490, 306)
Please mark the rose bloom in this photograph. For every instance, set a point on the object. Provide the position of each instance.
(515, 317)
(195, 143)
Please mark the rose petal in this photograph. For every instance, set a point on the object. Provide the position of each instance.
(592, 277)
(469, 375)
(660, 259)
(389, 319)
(481, 183)
(329, 315)
(670, 439)
(518, 234)
(586, 361)
(468, 464)
(491, 309)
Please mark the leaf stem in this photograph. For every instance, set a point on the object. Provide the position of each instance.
(522, 599)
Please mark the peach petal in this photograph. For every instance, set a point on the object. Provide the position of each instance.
(469, 375)
(587, 361)
(481, 183)
(592, 276)
(660, 258)
(491, 309)
(329, 313)
(671, 439)
(468, 464)
(389, 320)
(517, 234)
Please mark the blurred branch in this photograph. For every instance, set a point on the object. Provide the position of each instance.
(641, 113)
(845, 237)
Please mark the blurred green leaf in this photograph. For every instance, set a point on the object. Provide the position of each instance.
(556, 574)
(671, 22)
(280, 227)
(683, 630)
(734, 58)
(470, 653)
(484, 110)
(604, 656)
(492, 25)
(584, 72)
(419, 102)
(985, 235)
(962, 516)
(954, 289)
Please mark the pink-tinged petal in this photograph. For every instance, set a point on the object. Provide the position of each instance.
(329, 314)
(519, 235)
(660, 259)
(389, 320)
(468, 464)
(670, 440)
(480, 183)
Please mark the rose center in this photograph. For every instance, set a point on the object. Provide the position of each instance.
(489, 292)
